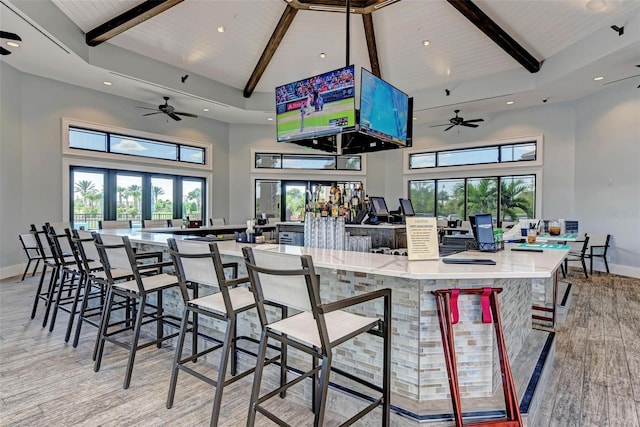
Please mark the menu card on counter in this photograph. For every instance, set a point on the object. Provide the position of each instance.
(422, 238)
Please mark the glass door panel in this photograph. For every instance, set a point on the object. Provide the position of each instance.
(161, 198)
(88, 199)
(268, 199)
(193, 200)
(129, 205)
(294, 201)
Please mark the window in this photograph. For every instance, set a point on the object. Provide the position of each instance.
(88, 198)
(526, 151)
(110, 194)
(506, 198)
(307, 161)
(94, 140)
(294, 195)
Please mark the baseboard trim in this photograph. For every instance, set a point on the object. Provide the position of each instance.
(14, 270)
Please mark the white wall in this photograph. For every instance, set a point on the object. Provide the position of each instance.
(607, 173)
(11, 175)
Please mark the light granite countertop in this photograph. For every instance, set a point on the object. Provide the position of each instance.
(508, 264)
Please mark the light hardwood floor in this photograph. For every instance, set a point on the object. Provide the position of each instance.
(43, 381)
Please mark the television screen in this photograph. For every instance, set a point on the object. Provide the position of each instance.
(407, 207)
(384, 110)
(379, 206)
(318, 106)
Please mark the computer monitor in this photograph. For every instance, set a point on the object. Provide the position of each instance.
(407, 207)
(379, 206)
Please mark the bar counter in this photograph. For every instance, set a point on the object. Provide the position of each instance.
(419, 376)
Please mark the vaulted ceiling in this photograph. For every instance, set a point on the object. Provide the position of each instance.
(267, 43)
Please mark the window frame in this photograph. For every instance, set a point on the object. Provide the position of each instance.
(68, 123)
(483, 170)
(498, 143)
(102, 160)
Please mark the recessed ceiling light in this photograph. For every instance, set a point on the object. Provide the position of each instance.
(221, 29)
(426, 42)
(270, 118)
(598, 78)
(595, 5)
(107, 83)
(415, 118)
(323, 55)
(13, 44)
(509, 102)
(205, 109)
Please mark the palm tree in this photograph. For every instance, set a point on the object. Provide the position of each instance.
(482, 197)
(85, 187)
(515, 198)
(122, 193)
(157, 191)
(136, 192)
(196, 197)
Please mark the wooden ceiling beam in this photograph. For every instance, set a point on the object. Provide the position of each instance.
(485, 24)
(272, 45)
(128, 19)
(370, 35)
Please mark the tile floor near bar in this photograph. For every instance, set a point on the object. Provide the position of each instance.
(595, 378)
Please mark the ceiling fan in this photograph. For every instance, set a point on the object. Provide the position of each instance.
(9, 36)
(167, 109)
(459, 121)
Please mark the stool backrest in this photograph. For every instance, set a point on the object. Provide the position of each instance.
(155, 223)
(30, 245)
(40, 235)
(176, 222)
(199, 269)
(104, 225)
(86, 247)
(114, 253)
(282, 278)
(61, 246)
(601, 240)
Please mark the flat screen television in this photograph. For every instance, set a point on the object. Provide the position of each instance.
(379, 206)
(318, 106)
(407, 207)
(384, 109)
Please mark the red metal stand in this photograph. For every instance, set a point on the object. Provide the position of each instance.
(489, 299)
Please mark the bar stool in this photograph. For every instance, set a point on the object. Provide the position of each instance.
(446, 303)
(93, 286)
(117, 252)
(48, 261)
(315, 330)
(71, 273)
(32, 251)
(194, 266)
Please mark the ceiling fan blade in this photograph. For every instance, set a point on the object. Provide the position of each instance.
(151, 114)
(474, 120)
(174, 117)
(449, 127)
(444, 124)
(10, 36)
(146, 108)
(180, 113)
(4, 51)
(469, 125)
